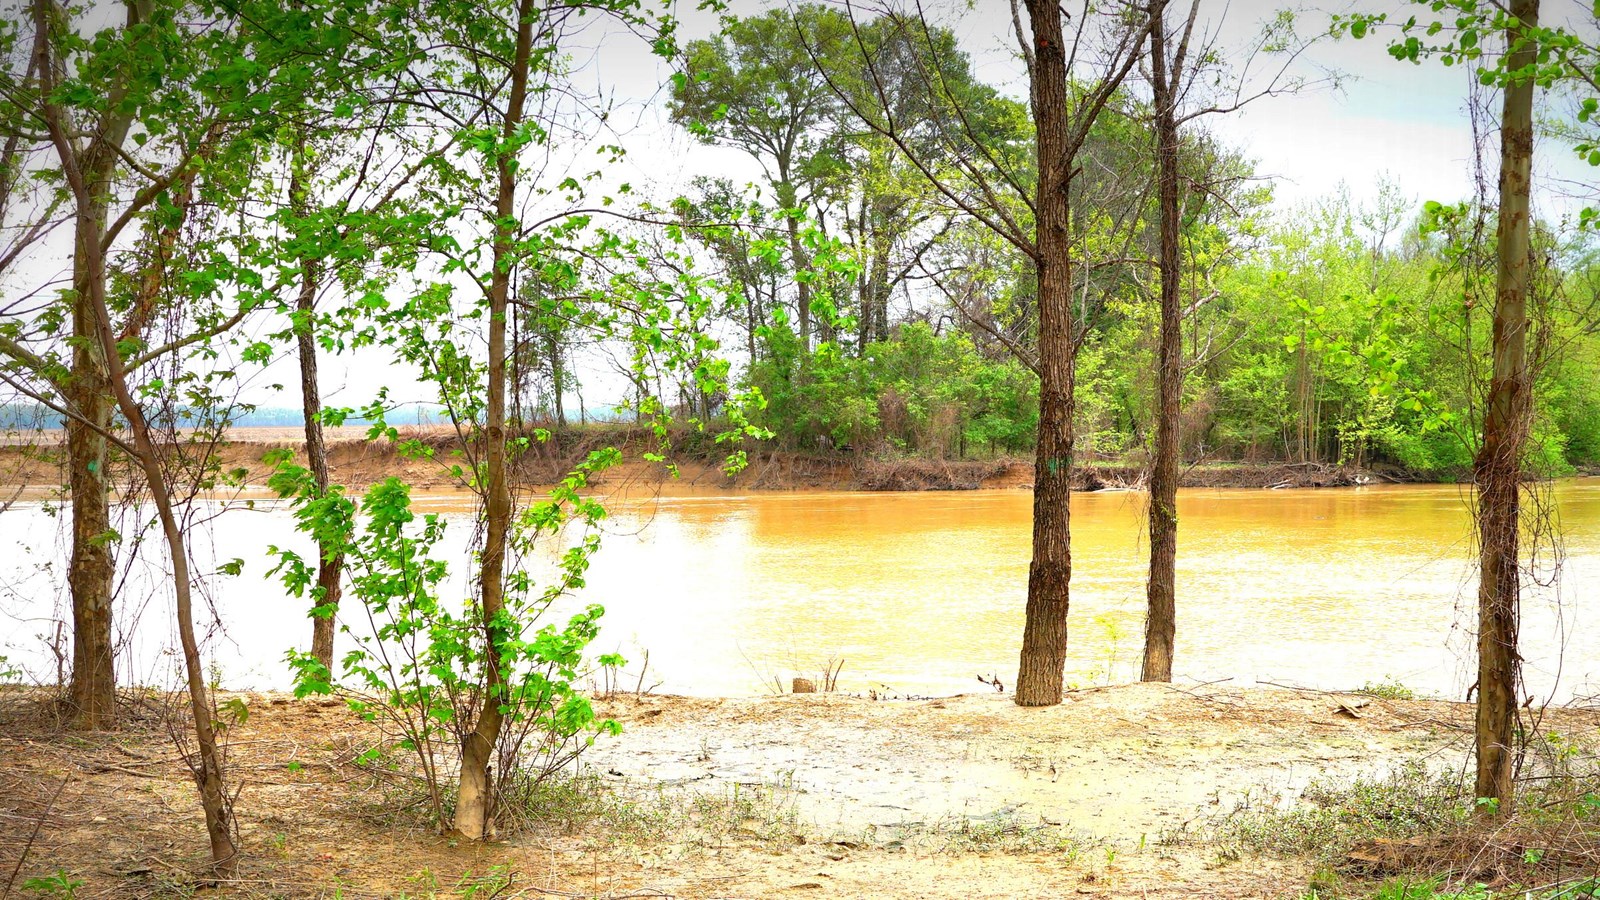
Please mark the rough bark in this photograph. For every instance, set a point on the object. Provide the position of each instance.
(1044, 635)
(92, 566)
(476, 797)
(330, 563)
(93, 690)
(1498, 466)
(1161, 586)
(875, 317)
(87, 173)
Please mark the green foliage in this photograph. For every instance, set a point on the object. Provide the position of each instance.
(1346, 337)
(423, 671)
(918, 392)
(1428, 889)
(1388, 689)
(1330, 818)
(59, 884)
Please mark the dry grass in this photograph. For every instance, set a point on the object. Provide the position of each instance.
(1420, 833)
(117, 812)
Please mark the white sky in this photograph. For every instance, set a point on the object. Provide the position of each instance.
(1407, 121)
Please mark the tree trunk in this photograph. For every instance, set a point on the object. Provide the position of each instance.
(1044, 634)
(92, 567)
(557, 376)
(88, 174)
(797, 253)
(878, 290)
(858, 236)
(90, 260)
(752, 319)
(1161, 588)
(1498, 467)
(476, 797)
(330, 564)
(208, 775)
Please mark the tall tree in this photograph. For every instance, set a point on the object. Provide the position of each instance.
(1533, 56)
(503, 113)
(1507, 416)
(1026, 200)
(754, 86)
(475, 799)
(96, 139)
(312, 271)
(1166, 82)
(340, 231)
(1172, 73)
(148, 42)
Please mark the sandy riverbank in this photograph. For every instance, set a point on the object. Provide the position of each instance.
(818, 795)
(38, 466)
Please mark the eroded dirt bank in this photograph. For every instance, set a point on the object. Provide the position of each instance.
(814, 795)
(37, 464)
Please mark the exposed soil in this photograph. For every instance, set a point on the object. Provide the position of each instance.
(696, 466)
(899, 798)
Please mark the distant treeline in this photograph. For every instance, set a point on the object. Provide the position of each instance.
(33, 417)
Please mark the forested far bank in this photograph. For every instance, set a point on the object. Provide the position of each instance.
(693, 466)
(1343, 338)
(885, 297)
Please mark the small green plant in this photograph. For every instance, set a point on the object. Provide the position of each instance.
(1389, 688)
(231, 712)
(1325, 880)
(1111, 649)
(1428, 889)
(423, 672)
(59, 884)
(487, 886)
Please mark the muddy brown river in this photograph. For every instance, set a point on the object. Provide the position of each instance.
(920, 593)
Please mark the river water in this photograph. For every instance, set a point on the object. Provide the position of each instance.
(920, 593)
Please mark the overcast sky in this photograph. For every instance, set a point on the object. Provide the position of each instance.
(1387, 117)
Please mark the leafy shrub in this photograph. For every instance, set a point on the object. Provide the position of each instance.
(421, 672)
(918, 392)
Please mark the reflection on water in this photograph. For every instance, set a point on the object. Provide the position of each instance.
(921, 593)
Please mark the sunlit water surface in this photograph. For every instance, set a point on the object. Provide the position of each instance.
(923, 592)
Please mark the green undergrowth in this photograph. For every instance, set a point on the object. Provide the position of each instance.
(1388, 689)
(1439, 888)
(1417, 834)
(1331, 817)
